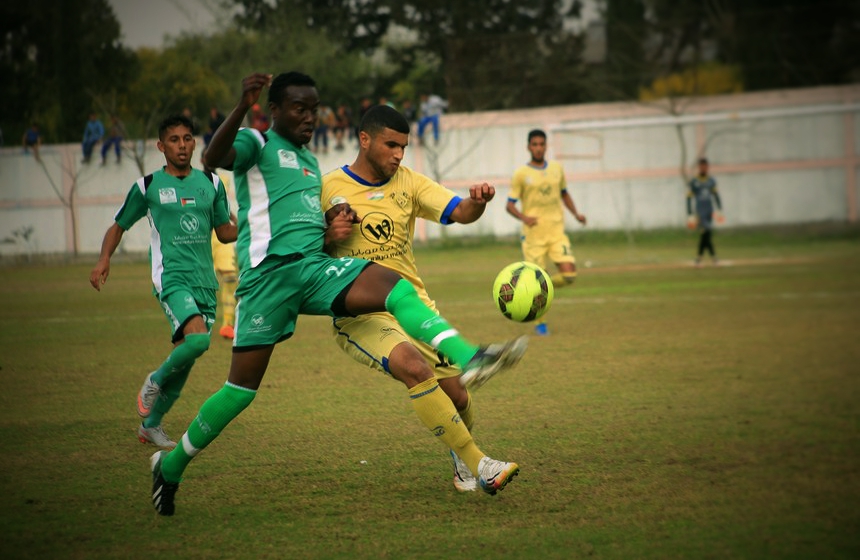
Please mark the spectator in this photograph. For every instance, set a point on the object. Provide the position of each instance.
(195, 124)
(32, 139)
(93, 132)
(259, 120)
(216, 118)
(115, 135)
(407, 109)
(342, 125)
(325, 120)
(432, 107)
(363, 108)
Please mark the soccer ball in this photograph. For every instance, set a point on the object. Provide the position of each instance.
(523, 291)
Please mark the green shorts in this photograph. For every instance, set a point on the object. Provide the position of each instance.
(369, 339)
(181, 305)
(272, 295)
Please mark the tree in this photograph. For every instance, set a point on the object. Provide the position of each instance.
(483, 37)
(58, 55)
(167, 81)
(789, 43)
(497, 54)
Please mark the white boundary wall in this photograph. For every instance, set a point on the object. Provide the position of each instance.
(779, 157)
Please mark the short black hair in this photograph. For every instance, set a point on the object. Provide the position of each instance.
(536, 132)
(174, 120)
(380, 117)
(281, 82)
(703, 160)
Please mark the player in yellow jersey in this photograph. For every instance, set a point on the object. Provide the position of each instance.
(541, 189)
(387, 198)
(224, 257)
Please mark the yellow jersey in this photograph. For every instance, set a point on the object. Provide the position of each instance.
(388, 211)
(539, 192)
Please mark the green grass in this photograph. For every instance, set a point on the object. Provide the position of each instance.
(673, 413)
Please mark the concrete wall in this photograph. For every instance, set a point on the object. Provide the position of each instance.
(779, 157)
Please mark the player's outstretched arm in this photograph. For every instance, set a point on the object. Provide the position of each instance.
(472, 208)
(100, 272)
(220, 152)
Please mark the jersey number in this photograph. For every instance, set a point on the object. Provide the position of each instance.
(338, 270)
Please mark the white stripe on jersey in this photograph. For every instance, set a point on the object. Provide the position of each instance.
(157, 255)
(259, 224)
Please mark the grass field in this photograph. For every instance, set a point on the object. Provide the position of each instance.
(674, 412)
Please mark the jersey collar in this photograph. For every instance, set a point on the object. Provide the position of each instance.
(361, 181)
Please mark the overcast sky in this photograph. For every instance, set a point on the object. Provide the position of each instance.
(145, 23)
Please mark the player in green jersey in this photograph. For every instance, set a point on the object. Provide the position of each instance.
(284, 272)
(183, 205)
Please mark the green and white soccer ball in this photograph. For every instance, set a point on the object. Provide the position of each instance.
(523, 291)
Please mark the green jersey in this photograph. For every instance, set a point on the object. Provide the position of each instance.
(182, 213)
(278, 191)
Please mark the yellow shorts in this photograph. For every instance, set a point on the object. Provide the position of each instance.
(369, 340)
(547, 251)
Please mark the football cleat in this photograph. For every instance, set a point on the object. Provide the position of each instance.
(163, 492)
(146, 398)
(541, 329)
(227, 331)
(155, 436)
(492, 359)
(464, 480)
(495, 475)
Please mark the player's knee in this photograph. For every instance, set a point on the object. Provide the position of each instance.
(198, 343)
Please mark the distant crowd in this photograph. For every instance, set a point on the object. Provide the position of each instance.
(335, 126)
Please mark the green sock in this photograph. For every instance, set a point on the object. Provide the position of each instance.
(169, 394)
(218, 411)
(182, 357)
(419, 321)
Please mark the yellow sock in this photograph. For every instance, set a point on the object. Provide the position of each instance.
(466, 414)
(438, 413)
(560, 280)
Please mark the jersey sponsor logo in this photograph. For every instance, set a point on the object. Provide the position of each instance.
(189, 301)
(438, 431)
(288, 159)
(188, 201)
(189, 223)
(167, 196)
(377, 228)
(311, 200)
(335, 200)
(258, 324)
(308, 172)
